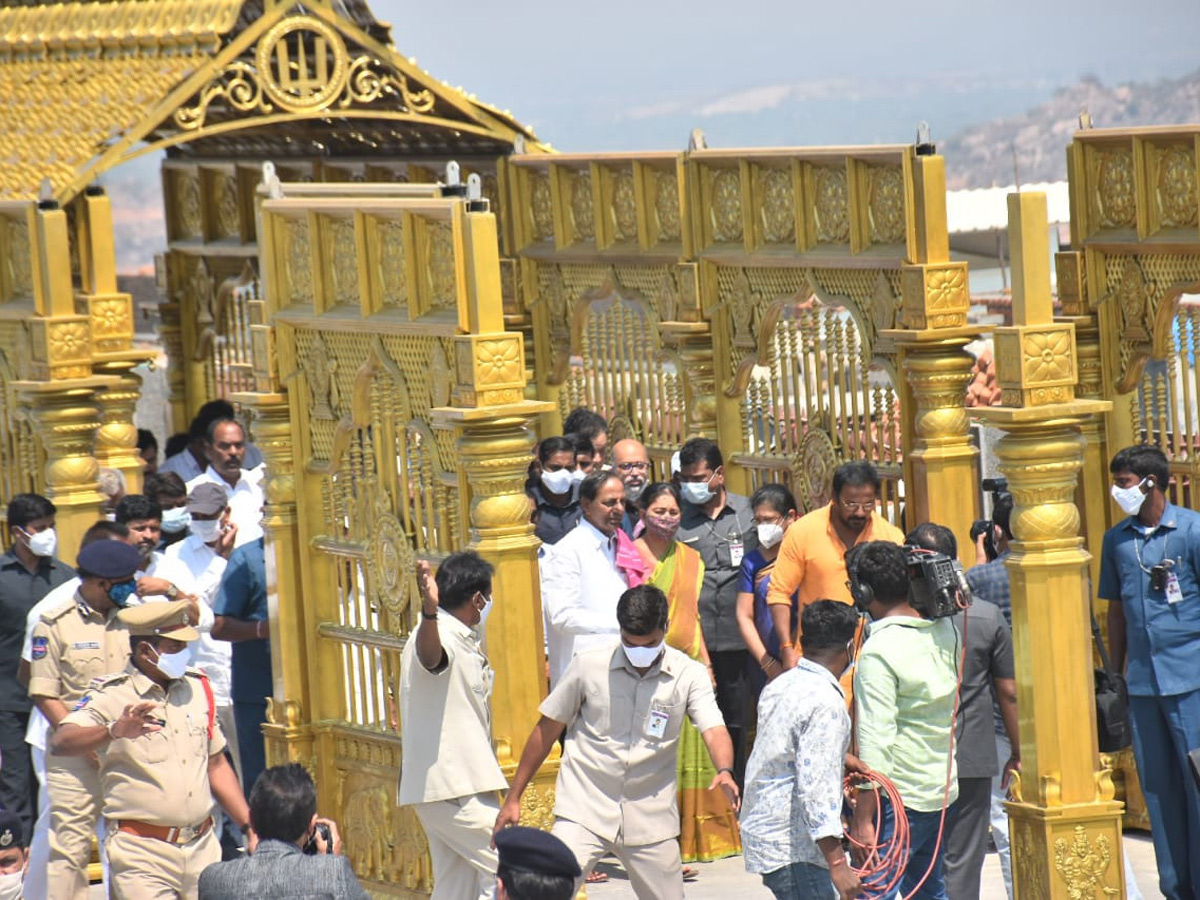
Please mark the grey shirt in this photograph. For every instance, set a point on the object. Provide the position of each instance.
(722, 543)
(556, 522)
(989, 655)
(20, 589)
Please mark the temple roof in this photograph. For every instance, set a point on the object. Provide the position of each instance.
(85, 86)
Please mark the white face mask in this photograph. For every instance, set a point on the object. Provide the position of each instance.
(10, 886)
(770, 534)
(578, 475)
(208, 530)
(558, 482)
(44, 543)
(696, 492)
(642, 657)
(483, 617)
(1131, 498)
(850, 664)
(173, 665)
(176, 520)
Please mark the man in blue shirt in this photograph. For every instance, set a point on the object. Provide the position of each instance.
(1149, 569)
(240, 614)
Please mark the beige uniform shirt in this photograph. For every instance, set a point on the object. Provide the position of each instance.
(618, 773)
(446, 720)
(160, 778)
(73, 645)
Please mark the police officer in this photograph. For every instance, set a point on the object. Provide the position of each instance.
(164, 761)
(75, 642)
(534, 864)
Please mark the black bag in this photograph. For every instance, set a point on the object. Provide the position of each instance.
(1112, 702)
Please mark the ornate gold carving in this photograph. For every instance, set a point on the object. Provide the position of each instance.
(812, 469)
(832, 205)
(442, 382)
(1035, 365)
(778, 210)
(934, 296)
(298, 261)
(319, 370)
(1116, 197)
(393, 263)
(1083, 865)
(537, 806)
(498, 361)
(187, 203)
(559, 312)
(1031, 866)
(438, 256)
(366, 818)
(1071, 277)
(666, 206)
(725, 205)
(1049, 357)
(229, 219)
(62, 348)
(1175, 189)
(490, 369)
(885, 209)
(541, 207)
(392, 569)
(343, 262)
(668, 301)
(624, 207)
(111, 320)
(582, 206)
(412, 850)
(301, 65)
(743, 301)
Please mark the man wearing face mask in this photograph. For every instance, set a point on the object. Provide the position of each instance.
(555, 493)
(28, 571)
(792, 826)
(449, 772)
(632, 463)
(580, 578)
(75, 643)
(719, 525)
(168, 490)
(623, 709)
(163, 762)
(14, 856)
(157, 575)
(1150, 576)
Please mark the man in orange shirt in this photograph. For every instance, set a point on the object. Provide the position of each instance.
(813, 556)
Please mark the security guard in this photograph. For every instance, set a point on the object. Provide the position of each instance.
(164, 760)
(76, 642)
(534, 864)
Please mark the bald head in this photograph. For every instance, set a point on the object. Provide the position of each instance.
(633, 465)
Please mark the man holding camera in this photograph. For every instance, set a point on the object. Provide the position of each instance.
(297, 852)
(1149, 569)
(904, 691)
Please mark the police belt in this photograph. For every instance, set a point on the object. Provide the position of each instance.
(171, 835)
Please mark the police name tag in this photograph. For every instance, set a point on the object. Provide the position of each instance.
(1174, 594)
(736, 551)
(656, 725)
(86, 645)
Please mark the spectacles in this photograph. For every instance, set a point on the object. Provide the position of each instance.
(860, 507)
(633, 466)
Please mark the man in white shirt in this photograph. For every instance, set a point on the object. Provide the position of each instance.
(226, 451)
(192, 460)
(205, 552)
(580, 579)
(158, 576)
(449, 773)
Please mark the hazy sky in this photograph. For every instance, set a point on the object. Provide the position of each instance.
(600, 73)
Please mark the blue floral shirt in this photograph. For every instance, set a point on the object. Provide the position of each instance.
(794, 776)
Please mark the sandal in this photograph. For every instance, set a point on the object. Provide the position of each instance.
(595, 877)
(690, 874)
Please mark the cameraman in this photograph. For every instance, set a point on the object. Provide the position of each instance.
(904, 689)
(987, 671)
(283, 814)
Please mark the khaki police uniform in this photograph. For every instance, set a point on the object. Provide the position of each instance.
(73, 645)
(158, 803)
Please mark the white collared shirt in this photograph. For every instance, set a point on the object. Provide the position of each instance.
(212, 656)
(245, 501)
(580, 588)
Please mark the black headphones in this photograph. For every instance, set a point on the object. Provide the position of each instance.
(862, 593)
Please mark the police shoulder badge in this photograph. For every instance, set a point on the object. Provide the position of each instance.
(39, 645)
(83, 701)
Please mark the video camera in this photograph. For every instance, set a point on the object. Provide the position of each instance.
(937, 584)
(998, 487)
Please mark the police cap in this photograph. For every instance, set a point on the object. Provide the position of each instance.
(531, 850)
(108, 559)
(168, 619)
(11, 832)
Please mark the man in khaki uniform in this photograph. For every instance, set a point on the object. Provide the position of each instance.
(623, 709)
(163, 760)
(76, 642)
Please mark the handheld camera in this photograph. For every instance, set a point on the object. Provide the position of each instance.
(998, 488)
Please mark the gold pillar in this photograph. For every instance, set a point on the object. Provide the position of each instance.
(941, 465)
(170, 330)
(1065, 826)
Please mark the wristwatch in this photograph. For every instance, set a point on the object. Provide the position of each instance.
(172, 592)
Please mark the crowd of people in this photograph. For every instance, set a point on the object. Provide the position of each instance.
(726, 676)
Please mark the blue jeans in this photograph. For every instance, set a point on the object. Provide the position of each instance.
(1164, 730)
(922, 844)
(800, 881)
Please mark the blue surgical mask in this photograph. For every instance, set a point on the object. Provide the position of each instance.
(696, 492)
(120, 593)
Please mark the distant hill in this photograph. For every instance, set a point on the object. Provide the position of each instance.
(982, 156)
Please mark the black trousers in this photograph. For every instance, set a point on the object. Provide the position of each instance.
(18, 784)
(731, 668)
